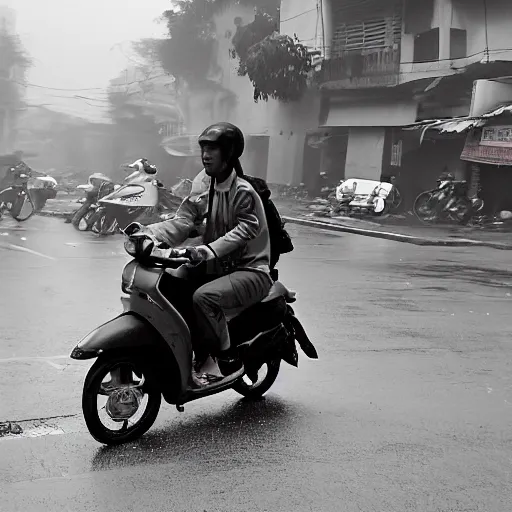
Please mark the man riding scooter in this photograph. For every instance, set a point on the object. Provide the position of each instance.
(235, 254)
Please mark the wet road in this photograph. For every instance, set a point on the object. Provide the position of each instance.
(408, 409)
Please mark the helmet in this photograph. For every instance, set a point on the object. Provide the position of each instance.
(227, 136)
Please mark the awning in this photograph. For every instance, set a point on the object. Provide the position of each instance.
(182, 145)
(453, 125)
(457, 124)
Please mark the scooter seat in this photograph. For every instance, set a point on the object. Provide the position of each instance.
(256, 319)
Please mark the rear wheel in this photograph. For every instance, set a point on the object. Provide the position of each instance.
(116, 415)
(267, 375)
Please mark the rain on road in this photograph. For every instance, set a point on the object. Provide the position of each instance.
(409, 407)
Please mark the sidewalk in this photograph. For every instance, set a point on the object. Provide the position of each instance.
(296, 212)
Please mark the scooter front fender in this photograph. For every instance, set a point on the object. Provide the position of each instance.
(129, 332)
(126, 331)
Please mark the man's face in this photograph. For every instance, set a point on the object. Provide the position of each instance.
(213, 162)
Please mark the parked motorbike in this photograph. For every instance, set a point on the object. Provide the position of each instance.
(41, 189)
(142, 198)
(15, 197)
(98, 186)
(448, 202)
(367, 197)
(149, 347)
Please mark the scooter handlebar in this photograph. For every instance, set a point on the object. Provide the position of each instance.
(141, 246)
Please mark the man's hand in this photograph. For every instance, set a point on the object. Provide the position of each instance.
(199, 254)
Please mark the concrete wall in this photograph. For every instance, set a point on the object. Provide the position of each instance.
(470, 15)
(372, 113)
(364, 153)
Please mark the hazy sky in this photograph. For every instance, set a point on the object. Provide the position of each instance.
(73, 46)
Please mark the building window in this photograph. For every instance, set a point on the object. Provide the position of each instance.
(368, 35)
(426, 46)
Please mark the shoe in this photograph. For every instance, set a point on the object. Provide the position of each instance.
(228, 363)
(200, 380)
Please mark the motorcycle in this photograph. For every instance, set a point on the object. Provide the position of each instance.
(448, 202)
(42, 189)
(142, 198)
(98, 186)
(15, 197)
(364, 196)
(149, 346)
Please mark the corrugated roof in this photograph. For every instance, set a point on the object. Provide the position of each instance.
(457, 124)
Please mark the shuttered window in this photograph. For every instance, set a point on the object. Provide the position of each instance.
(368, 35)
(367, 27)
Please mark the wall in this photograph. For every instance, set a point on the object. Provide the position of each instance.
(288, 125)
(371, 113)
(469, 14)
(302, 17)
(364, 153)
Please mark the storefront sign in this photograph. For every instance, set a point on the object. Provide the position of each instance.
(475, 151)
(499, 136)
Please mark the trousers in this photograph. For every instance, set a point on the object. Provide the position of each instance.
(227, 294)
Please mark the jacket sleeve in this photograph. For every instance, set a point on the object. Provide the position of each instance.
(176, 230)
(247, 227)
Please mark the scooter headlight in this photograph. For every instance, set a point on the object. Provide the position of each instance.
(130, 247)
(128, 277)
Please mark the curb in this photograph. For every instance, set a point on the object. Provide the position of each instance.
(48, 213)
(397, 237)
(330, 226)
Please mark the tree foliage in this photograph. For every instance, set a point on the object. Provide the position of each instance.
(188, 51)
(13, 66)
(248, 35)
(278, 67)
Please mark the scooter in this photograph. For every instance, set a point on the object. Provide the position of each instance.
(142, 198)
(16, 198)
(98, 186)
(448, 202)
(149, 346)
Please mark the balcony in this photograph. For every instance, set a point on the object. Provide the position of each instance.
(357, 69)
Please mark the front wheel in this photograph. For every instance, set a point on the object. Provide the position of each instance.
(267, 375)
(79, 215)
(423, 207)
(22, 208)
(120, 399)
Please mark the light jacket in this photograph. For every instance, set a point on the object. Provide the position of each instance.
(236, 231)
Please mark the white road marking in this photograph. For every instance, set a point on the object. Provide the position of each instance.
(25, 249)
(55, 365)
(32, 358)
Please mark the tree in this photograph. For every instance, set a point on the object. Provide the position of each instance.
(13, 66)
(189, 51)
(278, 67)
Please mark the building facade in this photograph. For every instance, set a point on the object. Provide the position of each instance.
(390, 63)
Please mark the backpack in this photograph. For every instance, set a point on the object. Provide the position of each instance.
(280, 240)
